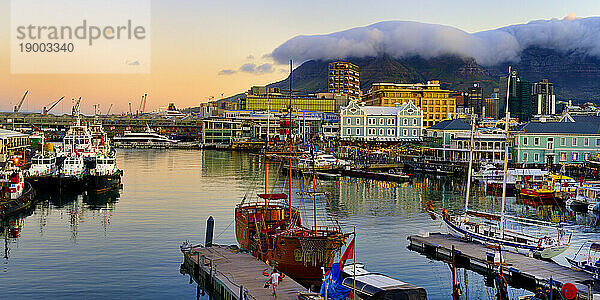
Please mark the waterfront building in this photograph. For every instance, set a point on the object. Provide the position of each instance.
(435, 103)
(567, 142)
(380, 123)
(544, 100)
(262, 98)
(220, 131)
(344, 79)
(473, 99)
(12, 142)
(519, 100)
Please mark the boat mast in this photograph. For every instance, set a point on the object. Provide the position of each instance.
(469, 174)
(290, 141)
(507, 128)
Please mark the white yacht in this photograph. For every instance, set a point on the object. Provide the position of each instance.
(148, 137)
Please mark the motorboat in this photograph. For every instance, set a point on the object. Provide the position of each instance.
(148, 137)
(15, 194)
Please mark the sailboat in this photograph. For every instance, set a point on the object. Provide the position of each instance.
(271, 229)
(493, 231)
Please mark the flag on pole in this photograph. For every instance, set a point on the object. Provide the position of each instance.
(348, 254)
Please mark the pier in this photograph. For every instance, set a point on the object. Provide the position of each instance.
(520, 270)
(225, 273)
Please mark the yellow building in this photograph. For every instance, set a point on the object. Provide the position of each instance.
(437, 104)
(281, 102)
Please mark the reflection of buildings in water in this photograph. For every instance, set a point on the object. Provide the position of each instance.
(358, 195)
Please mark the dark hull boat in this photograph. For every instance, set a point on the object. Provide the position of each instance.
(10, 207)
(41, 182)
(103, 183)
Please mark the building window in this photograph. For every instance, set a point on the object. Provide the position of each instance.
(574, 142)
(536, 141)
(575, 156)
(525, 141)
(381, 121)
(357, 131)
(405, 121)
(563, 156)
(586, 156)
(389, 132)
(563, 141)
(405, 132)
(380, 131)
(525, 156)
(357, 121)
(414, 132)
(586, 142)
(415, 121)
(536, 157)
(348, 132)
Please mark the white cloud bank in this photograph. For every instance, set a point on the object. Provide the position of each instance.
(404, 38)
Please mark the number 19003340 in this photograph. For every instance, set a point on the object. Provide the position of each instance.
(46, 47)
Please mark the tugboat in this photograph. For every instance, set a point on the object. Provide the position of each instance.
(42, 172)
(105, 175)
(72, 171)
(16, 194)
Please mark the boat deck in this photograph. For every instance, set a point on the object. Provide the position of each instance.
(522, 271)
(231, 274)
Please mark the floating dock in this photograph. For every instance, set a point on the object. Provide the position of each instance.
(225, 273)
(520, 270)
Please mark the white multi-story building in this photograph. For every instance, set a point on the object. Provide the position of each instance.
(381, 123)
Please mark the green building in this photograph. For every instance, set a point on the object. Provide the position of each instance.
(549, 143)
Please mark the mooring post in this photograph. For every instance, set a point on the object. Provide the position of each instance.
(210, 226)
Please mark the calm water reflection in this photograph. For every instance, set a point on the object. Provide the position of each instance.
(126, 244)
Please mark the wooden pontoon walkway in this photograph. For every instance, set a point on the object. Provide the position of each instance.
(231, 274)
(524, 271)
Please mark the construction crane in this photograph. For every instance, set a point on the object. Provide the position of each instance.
(45, 110)
(18, 106)
(142, 107)
(109, 108)
(75, 110)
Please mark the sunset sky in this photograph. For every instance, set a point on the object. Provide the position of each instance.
(193, 42)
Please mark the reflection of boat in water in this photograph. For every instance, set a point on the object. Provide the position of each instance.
(99, 201)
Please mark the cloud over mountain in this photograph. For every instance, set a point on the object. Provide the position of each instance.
(404, 38)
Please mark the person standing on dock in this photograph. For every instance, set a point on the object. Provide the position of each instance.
(274, 279)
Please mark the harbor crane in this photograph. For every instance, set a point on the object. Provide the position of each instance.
(75, 110)
(45, 110)
(109, 108)
(18, 106)
(142, 107)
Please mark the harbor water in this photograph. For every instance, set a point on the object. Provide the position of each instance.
(126, 244)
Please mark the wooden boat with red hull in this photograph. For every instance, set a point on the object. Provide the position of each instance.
(270, 234)
(272, 229)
